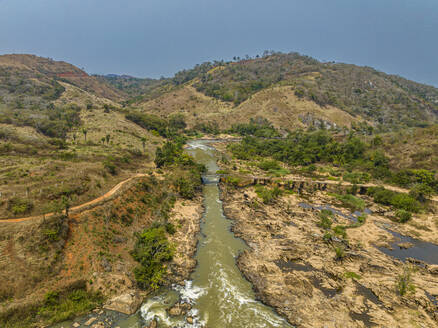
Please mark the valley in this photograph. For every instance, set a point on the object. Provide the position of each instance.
(276, 191)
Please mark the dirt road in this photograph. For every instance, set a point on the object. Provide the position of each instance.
(80, 207)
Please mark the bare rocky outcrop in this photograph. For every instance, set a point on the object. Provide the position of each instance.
(187, 216)
(127, 303)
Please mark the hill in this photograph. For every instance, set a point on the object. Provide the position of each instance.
(383, 101)
(62, 135)
(28, 80)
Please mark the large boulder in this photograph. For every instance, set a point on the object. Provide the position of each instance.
(179, 309)
(127, 303)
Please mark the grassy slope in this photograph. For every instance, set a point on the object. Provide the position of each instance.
(278, 104)
(30, 70)
(381, 100)
(43, 175)
(35, 170)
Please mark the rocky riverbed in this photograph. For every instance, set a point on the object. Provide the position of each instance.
(293, 266)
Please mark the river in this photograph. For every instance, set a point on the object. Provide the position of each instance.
(219, 294)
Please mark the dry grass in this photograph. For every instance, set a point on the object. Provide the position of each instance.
(40, 69)
(42, 176)
(277, 104)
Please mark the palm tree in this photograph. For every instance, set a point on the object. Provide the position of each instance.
(143, 141)
(85, 131)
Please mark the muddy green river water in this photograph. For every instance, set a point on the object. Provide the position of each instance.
(218, 293)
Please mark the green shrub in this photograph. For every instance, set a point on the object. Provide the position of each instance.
(324, 221)
(233, 180)
(339, 253)
(352, 202)
(310, 168)
(269, 165)
(352, 275)
(340, 231)
(361, 219)
(392, 198)
(268, 195)
(408, 178)
(258, 127)
(63, 306)
(406, 202)
(150, 122)
(403, 216)
(207, 127)
(170, 228)
(110, 167)
(404, 282)
(57, 306)
(327, 237)
(19, 206)
(51, 234)
(302, 148)
(356, 177)
(172, 153)
(187, 182)
(421, 192)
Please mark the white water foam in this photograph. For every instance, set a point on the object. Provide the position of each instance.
(197, 145)
(154, 309)
(188, 292)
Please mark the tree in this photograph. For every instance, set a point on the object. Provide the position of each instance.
(421, 192)
(85, 131)
(65, 201)
(107, 137)
(143, 141)
(177, 122)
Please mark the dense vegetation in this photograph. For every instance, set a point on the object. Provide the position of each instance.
(152, 250)
(397, 200)
(167, 128)
(257, 127)
(305, 148)
(186, 174)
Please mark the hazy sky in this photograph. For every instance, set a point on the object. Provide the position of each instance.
(159, 37)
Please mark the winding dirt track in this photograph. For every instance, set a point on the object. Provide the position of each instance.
(83, 206)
